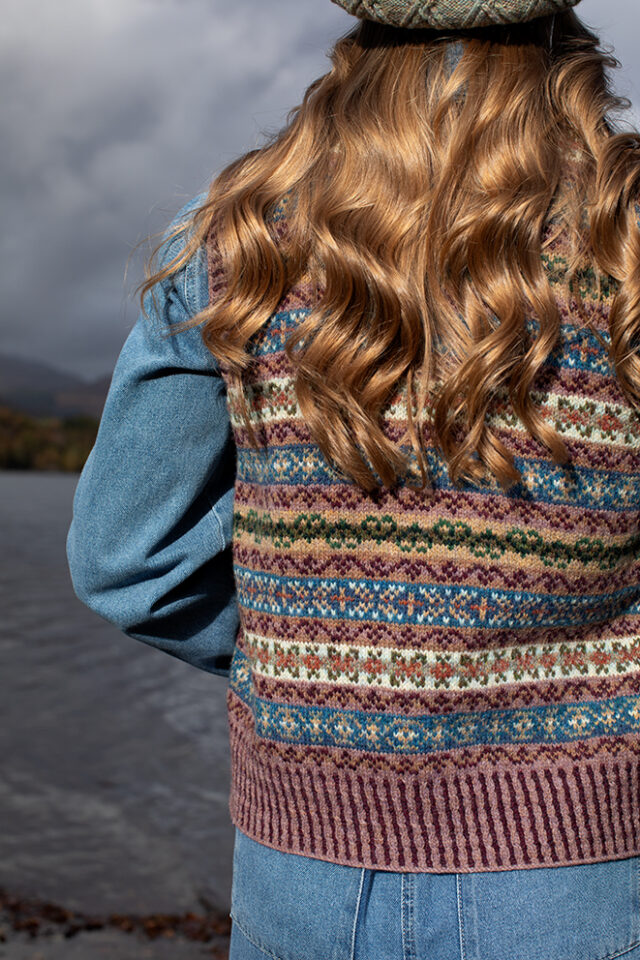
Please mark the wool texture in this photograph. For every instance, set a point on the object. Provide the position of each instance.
(447, 681)
(452, 14)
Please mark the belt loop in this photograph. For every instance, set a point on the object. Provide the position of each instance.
(407, 904)
(356, 913)
(463, 950)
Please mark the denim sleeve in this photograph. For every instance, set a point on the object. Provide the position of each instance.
(149, 545)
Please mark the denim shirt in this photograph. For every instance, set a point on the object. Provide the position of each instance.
(149, 545)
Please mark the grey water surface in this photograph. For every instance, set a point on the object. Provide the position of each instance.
(115, 757)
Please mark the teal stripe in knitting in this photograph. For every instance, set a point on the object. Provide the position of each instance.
(398, 733)
(544, 482)
(578, 349)
(391, 601)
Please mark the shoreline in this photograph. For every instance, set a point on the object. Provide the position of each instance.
(33, 920)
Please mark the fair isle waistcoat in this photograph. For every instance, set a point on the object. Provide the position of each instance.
(446, 681)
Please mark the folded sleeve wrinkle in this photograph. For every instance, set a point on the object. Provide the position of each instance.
(149, 545)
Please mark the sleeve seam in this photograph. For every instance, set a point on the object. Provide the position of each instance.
(193, 265)
(217, 522)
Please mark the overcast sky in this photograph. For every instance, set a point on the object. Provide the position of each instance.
(116, 112)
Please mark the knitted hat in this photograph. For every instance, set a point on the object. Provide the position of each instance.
(452, 14)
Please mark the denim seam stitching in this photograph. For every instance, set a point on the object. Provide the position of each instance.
(463, 951)
(190, 273)
(411, 939)
(217, 523)
(402, 910)
(258, 946)
(406, 916)
(413, 917)
(355, 918)
(620, 953)
(188, 281)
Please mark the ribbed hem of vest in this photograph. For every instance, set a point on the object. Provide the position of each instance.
(486, 819)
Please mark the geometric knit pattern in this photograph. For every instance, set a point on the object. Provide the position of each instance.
(445, 681)
(452, 14)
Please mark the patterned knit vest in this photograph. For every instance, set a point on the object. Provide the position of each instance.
(447, 681)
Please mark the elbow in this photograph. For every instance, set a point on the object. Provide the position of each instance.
(100, 586)
(81, 569)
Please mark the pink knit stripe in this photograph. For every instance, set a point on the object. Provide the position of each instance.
(442, 702)
(553, 812)
(584, 453)
(562, 381)
(521, 574)
(452, 504)
(413, 636)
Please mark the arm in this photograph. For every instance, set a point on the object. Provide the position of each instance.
(149, 546)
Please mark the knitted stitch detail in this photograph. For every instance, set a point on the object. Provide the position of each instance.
(469, 809)
(452, 14)
(445, 681)
(440, 669)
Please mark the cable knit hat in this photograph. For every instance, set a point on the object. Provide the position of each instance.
(452, 14)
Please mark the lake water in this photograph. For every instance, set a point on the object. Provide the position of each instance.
(115, 756)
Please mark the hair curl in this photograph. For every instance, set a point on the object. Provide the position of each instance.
(423, 201)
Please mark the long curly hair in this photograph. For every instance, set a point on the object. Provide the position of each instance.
(420, 201)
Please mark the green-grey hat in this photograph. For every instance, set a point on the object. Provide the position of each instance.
(452, 14)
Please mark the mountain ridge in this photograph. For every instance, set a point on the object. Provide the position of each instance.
(42, 390)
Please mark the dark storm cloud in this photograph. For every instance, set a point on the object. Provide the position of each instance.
(115, 112)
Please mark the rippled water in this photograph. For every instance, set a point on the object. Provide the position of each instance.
(115, 757)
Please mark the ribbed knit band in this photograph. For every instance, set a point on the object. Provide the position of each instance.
(526, 806)
(452, 14)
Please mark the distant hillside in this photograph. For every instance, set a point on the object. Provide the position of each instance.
(40, 390)
(48, 443)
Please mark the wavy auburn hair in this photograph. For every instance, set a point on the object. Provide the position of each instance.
(422, 202)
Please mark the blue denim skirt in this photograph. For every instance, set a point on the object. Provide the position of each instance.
(289, 907)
